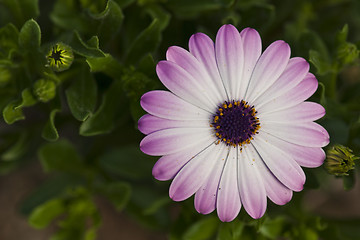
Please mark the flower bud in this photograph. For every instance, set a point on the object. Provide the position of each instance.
(44, 90)
(340, 160)
(60, 57)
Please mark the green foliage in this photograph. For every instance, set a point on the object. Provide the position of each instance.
(118, 193)
(103, 120)
(30, 36)
(119, 161)
(44, 214)
(82, 94)
(49, 131)
(60, 156)
(78, 117)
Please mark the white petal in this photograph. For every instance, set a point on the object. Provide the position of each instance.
(173, 140)
(148, 124)
(293, 74)
(293, 97)
(205, 197)
(304, 156)
(281, 164)
(193, 175)
(190, 64)
(308, 134)
(251, 186)
(228, 198)
(252, 51)
(229, 58)
(202, 47)
(169, 165)
(303, 112)
(165, 104)
(184, 85)
(268, 68)
(275, 190)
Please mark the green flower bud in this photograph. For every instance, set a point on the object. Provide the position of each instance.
(347, 53)
(340, 160)
(44, 90)
(60, 57)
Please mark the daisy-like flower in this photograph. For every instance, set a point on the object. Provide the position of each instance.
(234, 128)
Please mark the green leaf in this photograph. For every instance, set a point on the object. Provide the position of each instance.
(12, 114)
(202, 229)
(30, 36)
(27, 99)
(45, 213)
(9, 36)
(67, 14)
(272, 228)
(142, 198)
(107, 65)
(82, 95)
(159, 13)
(18, 149)
(60, 156)
(190, 9)
(322, 94)
(22, 10)
(85, 49)
(51, 188)
(118, 193)
(231, 230)
(308, 234)
(110, 21)
(103, 120)
(13, 111)
(119, 162)
(49, 131)
(147, 41)
(322, 66)
(157, 205)
(342, 35)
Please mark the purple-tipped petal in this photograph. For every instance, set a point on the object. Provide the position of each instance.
(205, 197)
(173, 140)
(148, 124)
(304, 156)
(165, 104)
(251, 186)
(189, 63)
(281, 164)
(268, 69)
(275, 190)
(183, 85)
(303, 112)
(229, 55)
(308, 134)
(202, 47)
(293, 74)
(252, 51)
(169, 165)
(193, 175)
(296, 95)
(228, 198)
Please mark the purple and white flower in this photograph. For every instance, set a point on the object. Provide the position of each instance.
(234, 127)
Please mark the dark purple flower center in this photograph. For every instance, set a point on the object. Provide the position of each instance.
(235, 123)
